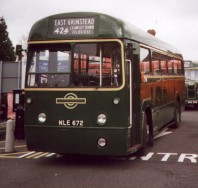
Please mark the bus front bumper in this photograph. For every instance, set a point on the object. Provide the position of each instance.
(85, 141)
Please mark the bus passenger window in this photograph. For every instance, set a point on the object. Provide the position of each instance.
(170, 67)
(175, 67)
(163, 65)
(156, 67)
(155, 64)
(144, 61)
(180, 71)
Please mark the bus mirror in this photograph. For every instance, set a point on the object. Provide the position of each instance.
(18, 49)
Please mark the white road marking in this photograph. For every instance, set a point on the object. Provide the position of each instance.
(41, 155)
(51, 154)
(163, 133)
(29, 153)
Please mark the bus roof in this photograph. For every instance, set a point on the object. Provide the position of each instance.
(91, 25)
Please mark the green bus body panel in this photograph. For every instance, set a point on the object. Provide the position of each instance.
(77, 140)
(106, 27)
(51, 136)
(96, 103)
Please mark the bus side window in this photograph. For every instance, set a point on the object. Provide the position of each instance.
(163, 64)
(163, 67)
(170, 67)
(156, 67)
(156, 70)
(178, 67)
(145, 61)
(175, 67)
(180, 72)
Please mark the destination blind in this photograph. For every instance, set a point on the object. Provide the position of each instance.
(74, 26)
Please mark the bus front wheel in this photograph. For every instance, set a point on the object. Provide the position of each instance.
(147, 136)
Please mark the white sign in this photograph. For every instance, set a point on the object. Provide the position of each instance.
(74, 26)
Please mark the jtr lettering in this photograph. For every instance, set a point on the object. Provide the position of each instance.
(166, 156)
(191, 157)
(184, 157)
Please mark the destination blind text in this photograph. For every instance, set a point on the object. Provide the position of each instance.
(74, 26)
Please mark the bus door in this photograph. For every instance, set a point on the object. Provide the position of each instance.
(133, 81)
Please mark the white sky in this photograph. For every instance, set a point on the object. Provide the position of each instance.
(176, 21)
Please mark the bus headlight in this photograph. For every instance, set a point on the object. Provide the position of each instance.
(42, 117)
(102, 142)
(101, 119)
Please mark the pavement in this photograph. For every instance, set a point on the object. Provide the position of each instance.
(19, 145)
(18, 149)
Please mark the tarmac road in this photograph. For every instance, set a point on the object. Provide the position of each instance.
(171, 163)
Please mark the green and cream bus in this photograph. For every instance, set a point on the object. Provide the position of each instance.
(96, 85)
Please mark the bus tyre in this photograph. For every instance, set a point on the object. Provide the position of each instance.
(147, 138)
(177, 117)
(142, 150)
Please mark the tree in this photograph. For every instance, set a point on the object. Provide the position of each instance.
(6, 47)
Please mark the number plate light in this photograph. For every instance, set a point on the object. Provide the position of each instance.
(101, 120)
(102, 142)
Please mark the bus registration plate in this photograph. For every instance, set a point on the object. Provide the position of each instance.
(78, 123)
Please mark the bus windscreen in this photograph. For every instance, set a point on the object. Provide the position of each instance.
(78, 65)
